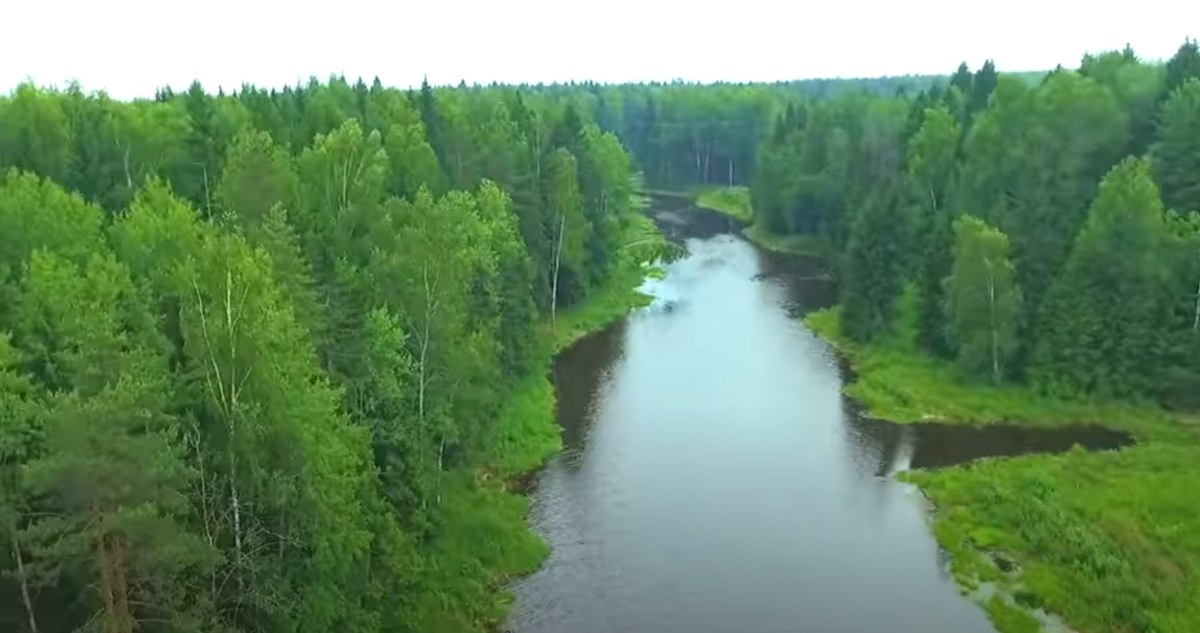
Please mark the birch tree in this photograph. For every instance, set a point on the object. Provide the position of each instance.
(983, 300)
(570, 231)
(930, 163)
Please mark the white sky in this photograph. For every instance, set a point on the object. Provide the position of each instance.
(130, 47)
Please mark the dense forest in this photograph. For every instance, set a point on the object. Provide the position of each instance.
(1048, 231)
(684, 135)
(262, 354)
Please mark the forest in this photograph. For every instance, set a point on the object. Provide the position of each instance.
(1026, 251)
(269, 358)
(1048, 232)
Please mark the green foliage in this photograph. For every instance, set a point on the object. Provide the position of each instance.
(731, 201)
(1068, 296)
(1176, 153)
(896, 381)
(1103, 324)
(273, 361)
(1098, 539)
(871, 273)
(795, 244)
(932, 156)
(982, 298)
(273, 367)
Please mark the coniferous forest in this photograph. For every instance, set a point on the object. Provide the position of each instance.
(269, 358)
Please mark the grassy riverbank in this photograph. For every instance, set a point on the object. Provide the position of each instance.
(898, 382)
(1107, 542)
(735, 202)
(486, 540)
(731, 201)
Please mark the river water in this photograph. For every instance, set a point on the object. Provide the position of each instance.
(713, 479)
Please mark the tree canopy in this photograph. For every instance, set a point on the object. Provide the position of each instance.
(253, 345)
(1073, 196)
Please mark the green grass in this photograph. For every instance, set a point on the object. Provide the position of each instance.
(484, 541)
(898, 382)
(525, 433)
(796, 244)
(735, 202)
(731, 201)
(1106, 542)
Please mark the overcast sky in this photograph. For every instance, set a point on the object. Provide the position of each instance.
(129, 47)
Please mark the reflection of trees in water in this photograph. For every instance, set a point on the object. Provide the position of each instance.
(582, 374)
(931, 445)
(943, 563)
(873, 446)
(807, 281)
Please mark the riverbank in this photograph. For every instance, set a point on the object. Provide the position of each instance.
(896, 381)
(1106, 542)
(735, 202)
(485, 540)
(731, 201)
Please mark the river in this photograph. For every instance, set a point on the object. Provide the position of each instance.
(713, 479)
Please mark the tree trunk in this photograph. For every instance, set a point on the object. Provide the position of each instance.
(992, 318)
(224, 388)
(1196, 317)
(108, 594)
(128, 173)
(441, 454)
(422, 378)
(232, 405)
(562, 227)
(207, 197)
(236, 502)
(707, 161)
(731, 173)
(23, 580)
(121, 584)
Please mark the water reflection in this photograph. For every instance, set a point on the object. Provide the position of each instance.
(714, 479)
(940, 445)
(581, 374)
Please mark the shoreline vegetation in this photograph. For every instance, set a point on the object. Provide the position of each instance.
(488, 521)
(734, 202)
(1079, 541)
(1087, 541)
(255, 345)
(275, 360)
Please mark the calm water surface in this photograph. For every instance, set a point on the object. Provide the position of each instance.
(714, 481)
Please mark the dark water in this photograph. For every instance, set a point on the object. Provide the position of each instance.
(714, 480)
